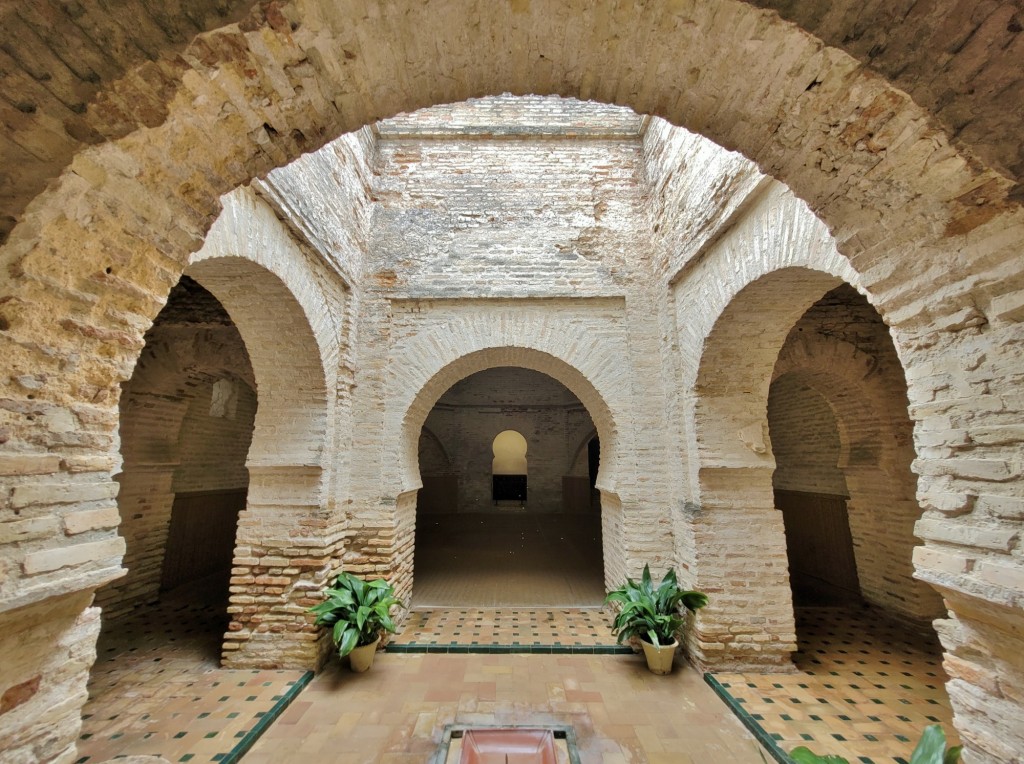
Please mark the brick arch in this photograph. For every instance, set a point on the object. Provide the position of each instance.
(488, 358)
(292, 415)
(734, 465)
(448, 361)
(248, 230)
(753, 286)
(281, 315)
(876, 460)
(863, 156)
(308, 84)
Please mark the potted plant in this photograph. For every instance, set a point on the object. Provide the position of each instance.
(357, 612)
(652, 616)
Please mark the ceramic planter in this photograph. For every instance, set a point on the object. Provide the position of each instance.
(659, 657)
(361, 658)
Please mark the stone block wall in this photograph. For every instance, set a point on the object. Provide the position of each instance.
(43, 676)
(217, 443)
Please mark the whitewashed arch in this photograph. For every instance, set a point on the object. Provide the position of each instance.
(424, 366)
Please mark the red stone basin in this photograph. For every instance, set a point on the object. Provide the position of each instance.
(508, 746)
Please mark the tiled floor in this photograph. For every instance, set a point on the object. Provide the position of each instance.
(156, 688)
(508, 560)
(513, 629)
(396, 713)
(867, 688)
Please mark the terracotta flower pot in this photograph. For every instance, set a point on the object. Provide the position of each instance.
(361, 658)
(660, 657)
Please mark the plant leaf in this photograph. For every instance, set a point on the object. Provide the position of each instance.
(348, 642)
(361, 615)
(952, 755)
(803, 755)
(694, 600)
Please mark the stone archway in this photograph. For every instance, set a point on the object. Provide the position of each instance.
(420, 380)
(264, 283)
(737, 528)
(901, 202)
(505, 528)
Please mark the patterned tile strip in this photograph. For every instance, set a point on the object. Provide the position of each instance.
(563, 631)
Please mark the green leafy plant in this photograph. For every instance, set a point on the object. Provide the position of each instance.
(356, 611)
(931, 749)
(649, 613)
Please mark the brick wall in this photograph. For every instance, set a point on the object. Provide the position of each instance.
(213, 447)
(804, 439)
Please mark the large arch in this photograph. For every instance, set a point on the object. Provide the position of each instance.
(928, 229)
(447, 348)
(292, 333)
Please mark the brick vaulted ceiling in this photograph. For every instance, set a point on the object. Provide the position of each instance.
(80, 72)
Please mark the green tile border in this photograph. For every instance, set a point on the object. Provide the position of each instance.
(456, 649)
(243, 745)
(766, 740)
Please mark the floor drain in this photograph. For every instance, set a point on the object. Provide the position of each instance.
(519, 744)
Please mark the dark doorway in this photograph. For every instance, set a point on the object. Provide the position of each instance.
(822, 568)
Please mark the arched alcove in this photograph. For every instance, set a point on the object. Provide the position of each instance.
(841, 355)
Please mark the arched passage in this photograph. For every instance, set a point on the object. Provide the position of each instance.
(176, 446)
(734, 474)
(841, 352)
(501, 525)
(285, 465)
(479, 360)
(444, 376)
